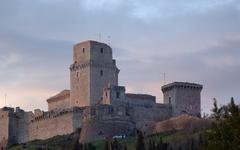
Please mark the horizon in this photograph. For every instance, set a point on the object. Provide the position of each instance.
(189, 41)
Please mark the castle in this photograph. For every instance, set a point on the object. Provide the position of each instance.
(96, 104)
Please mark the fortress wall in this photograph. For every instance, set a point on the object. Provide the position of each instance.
(106, 121)
(99, 81)
(169, 97)
(59, 104)
(101, 52)
(77, 118)
(49, 127)
(81, 52)
(141, 99)
(185, 97)
(101, 129)
(22, 127)
(79, 82)
(189, 101)
(143, 116)
(4, 120)
(12, 128)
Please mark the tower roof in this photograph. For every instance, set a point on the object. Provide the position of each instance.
(59, 96)
(91, 42)
(182, 85)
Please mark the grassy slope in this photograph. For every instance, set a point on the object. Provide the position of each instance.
(68, 142)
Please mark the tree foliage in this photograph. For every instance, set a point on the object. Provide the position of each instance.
(140, 141)
(225, 134)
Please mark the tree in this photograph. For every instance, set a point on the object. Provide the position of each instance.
(192, 144)
(115, 145)
(77, 146)
(140, 141)
(225, 134)
(150, 145)
(107, 146)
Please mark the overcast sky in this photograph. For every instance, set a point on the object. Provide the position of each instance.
(190, 40)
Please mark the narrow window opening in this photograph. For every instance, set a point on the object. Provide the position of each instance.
(83, 50)
(117, 95)
(106, 94)
(101, 73)
(170, 100)
(77, 74)
(101, 50)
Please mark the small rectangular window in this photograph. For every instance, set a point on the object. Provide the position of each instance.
(83, 50)
(101, 50)
(117, 95)
(101, 73)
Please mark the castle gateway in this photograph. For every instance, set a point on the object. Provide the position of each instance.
(96, 103)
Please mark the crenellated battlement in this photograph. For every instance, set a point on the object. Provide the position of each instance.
(183, 85)
(79, 66)
(55, 114)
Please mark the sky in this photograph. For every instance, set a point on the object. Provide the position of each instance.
(189, 40)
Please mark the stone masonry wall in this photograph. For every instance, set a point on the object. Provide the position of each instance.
(103, 70)
(144, 116)
(80, 87)
(47, 128)
(140, 99)
(4, 122)
(92, 70)
(184, 97)
(188, 101)
(59, 104)
(22, 120)
(52, 125)
(106, 121)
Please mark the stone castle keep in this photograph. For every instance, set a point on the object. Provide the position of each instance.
(96, 104)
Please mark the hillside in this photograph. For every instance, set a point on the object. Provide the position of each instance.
(176, 131)
(183, 122)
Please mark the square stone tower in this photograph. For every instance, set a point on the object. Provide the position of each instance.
(184, 97)
(93, 69)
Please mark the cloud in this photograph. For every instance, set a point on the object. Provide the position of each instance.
(214, 67)
(10, 59)
(194, 41)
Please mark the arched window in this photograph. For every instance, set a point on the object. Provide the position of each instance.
(83, 50)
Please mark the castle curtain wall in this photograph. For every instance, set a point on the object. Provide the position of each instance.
(4, 122)
(44, 128)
